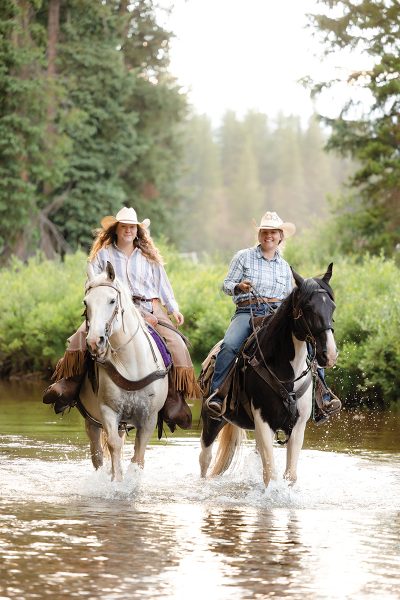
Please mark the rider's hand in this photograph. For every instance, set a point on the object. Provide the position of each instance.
(244, 286)
(179, 318)
(150, 318)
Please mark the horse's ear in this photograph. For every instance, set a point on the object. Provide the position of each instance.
(90, 272)
(298, 279)
(110, 271)
(328, 274)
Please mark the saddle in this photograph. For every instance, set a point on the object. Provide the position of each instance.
(232, 389)
(207, 366)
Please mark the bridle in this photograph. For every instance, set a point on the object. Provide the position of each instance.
(310, 337)
(108, 324)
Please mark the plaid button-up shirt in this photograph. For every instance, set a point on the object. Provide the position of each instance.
(143, 277)
(270, 278)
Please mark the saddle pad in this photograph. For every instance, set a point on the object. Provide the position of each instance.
(161, 345)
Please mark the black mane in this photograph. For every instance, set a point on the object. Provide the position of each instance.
(279, 327)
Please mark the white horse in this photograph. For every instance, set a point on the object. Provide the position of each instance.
(129, 382)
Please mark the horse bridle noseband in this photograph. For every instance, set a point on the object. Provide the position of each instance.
(310, 337)
(107, 327)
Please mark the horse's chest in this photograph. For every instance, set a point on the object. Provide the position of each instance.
(133, 406)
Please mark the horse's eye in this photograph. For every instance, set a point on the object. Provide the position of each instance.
(84, 302)
(112, 301)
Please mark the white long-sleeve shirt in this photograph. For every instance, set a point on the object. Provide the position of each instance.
(143, 277)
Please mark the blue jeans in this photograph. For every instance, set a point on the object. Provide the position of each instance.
(238, 331)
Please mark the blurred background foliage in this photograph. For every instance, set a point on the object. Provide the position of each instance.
(91, 119)
(41, 306)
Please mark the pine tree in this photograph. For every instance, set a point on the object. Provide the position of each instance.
(370, 218)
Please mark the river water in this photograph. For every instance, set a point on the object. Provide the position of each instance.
(67, 531)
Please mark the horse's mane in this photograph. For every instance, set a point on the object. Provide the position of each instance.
(278, 326)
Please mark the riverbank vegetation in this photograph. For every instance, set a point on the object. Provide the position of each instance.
(91, 119)
(41, 305)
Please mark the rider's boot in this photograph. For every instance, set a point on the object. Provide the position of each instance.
(325, 399)
(175, 411)
(215, 404)
(63, 393)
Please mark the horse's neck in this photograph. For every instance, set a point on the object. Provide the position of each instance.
(132, 348)
(300, 356)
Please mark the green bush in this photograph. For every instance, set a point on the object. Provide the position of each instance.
(41, 305)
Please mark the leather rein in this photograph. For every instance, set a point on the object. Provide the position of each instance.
(119, 380)
(265, 372)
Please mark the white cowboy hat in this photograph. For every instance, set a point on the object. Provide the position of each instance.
(271, 220)
(125, 215)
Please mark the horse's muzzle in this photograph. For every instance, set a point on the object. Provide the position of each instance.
(327, 355)
(96, 346)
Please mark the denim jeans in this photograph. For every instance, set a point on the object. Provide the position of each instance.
(239, 329)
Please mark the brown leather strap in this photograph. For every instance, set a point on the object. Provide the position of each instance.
(257, 301)
(270, 378)
(127, 384)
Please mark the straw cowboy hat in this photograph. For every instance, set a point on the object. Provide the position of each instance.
(272, 221)
(125, 215)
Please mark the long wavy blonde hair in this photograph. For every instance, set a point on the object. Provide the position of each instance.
(143, 241)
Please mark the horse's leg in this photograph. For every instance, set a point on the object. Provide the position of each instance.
(115, 442)
(264, 438)
(296, 439)
(211, 428)
(143, 435)
(96, 449)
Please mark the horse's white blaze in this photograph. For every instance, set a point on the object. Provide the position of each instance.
(264, 440)
(331, 350)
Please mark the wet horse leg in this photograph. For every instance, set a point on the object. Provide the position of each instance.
(143, 435)
(95, 439)
(296, 439)
(211, 428)
(115, 442)
(264, 437)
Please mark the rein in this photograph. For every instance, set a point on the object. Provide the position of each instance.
(272, 375)
(111, 370)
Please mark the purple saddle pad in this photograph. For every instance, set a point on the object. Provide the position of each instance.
(161, 345)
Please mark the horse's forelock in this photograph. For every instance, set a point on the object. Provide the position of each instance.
(326, 287)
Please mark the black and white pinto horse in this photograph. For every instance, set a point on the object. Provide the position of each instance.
(130, 384)
(277, 381)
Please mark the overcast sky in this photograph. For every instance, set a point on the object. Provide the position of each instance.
(249, 54)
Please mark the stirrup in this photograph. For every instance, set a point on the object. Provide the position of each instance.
(217, 409)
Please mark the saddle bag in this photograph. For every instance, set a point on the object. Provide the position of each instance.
(207, 369)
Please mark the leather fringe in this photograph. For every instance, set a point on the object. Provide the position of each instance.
(72, 363)
(184, 380)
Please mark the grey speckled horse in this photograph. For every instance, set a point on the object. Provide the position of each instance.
(125, 356)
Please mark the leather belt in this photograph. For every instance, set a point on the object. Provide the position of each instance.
(259, 301)
(141, 299)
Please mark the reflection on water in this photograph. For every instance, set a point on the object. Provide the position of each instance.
(68, 532)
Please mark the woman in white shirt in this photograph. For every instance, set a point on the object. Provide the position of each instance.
(126, 244)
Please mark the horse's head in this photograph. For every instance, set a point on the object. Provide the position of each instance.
(103, 305)
(313, 307)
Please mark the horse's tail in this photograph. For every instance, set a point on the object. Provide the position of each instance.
(230, 439)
